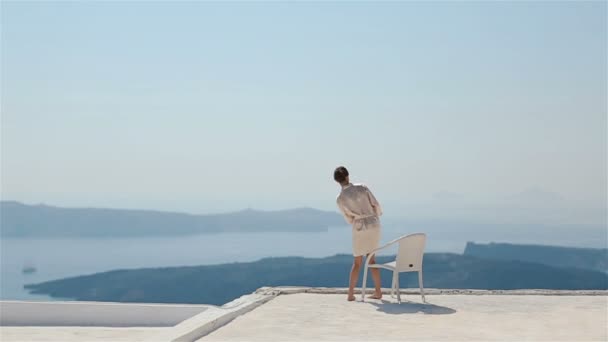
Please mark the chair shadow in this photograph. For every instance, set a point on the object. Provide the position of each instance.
(407, 307)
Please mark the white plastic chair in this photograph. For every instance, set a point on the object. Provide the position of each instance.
(409, 259)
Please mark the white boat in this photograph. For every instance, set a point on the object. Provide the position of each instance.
(27, 269)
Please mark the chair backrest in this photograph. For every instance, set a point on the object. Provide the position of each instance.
(410, 253)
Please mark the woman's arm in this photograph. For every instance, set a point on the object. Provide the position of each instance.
(374, 202)
(347, 214)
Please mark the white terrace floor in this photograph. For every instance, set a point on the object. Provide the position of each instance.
(323, 314)
(329, 317)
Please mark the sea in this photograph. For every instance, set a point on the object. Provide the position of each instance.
(55, 258)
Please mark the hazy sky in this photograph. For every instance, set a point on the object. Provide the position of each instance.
(205, 107)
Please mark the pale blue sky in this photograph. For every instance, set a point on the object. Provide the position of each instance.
(205, 107)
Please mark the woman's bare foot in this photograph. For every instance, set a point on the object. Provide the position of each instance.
(376, 296)
(351, 298)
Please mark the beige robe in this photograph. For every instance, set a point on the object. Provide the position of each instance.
(361, 209)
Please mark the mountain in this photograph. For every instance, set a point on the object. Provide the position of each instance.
(21, 220)
(586, 258)
(218, 284)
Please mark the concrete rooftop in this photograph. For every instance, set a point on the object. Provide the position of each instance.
(323, 314)
(68, 334)
(329, 317)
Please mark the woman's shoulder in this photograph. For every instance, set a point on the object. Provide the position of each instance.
(361, 186)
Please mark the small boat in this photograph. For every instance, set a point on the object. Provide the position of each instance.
(27, 269)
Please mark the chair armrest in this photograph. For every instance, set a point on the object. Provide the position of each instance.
(372, 253)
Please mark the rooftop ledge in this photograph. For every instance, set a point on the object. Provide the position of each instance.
(306, 314)
(282, 290)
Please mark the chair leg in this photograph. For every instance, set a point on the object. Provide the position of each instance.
(398, 288)
(364, 283)
(421, 286)
(393, 284)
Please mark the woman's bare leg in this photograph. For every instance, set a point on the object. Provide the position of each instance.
(376, 277)
(354, 276)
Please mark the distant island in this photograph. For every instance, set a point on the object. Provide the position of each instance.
(565, 257)
(218, 284)
(22, 220)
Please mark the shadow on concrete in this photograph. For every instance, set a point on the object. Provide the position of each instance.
(411, 307)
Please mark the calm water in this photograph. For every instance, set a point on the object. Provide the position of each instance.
(59, 258)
